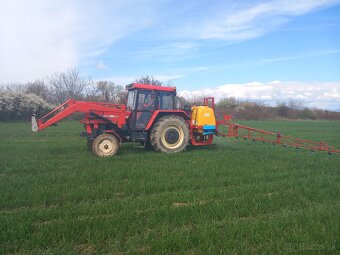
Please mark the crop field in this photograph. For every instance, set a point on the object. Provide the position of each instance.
(235, 197)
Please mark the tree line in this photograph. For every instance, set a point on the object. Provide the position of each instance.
(258, 110)
(59, 87)
(292, 109)
(19, 101)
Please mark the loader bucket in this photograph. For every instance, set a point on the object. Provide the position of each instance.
(34, 123)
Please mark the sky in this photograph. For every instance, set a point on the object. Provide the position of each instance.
(260, 50)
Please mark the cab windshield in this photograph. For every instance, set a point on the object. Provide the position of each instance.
(131, 98)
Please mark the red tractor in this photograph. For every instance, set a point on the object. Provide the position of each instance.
(153, 116)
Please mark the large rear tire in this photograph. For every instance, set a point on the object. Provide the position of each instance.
(170, 134)
(105, 145)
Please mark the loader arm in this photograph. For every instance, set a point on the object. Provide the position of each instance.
(115, 113)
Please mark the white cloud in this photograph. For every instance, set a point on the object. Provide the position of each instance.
(174, 74)
(242, 22)
(41, 37)
(101, 66)
(170, 52)
(273, 60)
(324, 95)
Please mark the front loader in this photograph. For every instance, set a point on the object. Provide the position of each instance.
(154, 117)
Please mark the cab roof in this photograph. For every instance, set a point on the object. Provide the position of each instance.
(150, 87)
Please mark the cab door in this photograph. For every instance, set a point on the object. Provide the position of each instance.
(145, 106)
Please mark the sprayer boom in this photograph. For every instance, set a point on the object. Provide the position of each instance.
(254, 134)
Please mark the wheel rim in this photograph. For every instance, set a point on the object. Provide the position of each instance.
(106, 147)
(172, 137)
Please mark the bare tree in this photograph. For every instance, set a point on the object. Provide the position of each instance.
(149, 79)
(228, 102)
(67, 85)
(108, 91)
(38, 88)
(195, 100)
(91, 94)
(122, 97)
(295, 104)
(14, 87)
(282, 108)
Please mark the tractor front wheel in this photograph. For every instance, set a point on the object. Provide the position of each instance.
(105, 145)
(170, 134)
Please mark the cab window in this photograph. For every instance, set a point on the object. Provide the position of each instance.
(166, 101)
(146, 100)
(131, 98)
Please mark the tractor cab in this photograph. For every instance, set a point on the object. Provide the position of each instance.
(144, 99)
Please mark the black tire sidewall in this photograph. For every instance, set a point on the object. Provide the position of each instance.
(159, 129)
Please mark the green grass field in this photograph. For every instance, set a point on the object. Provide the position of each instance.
(232, 198)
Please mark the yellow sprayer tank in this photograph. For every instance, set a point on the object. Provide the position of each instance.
(204, 117)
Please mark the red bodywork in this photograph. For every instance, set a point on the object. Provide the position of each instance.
(150, 87)
(115, 113)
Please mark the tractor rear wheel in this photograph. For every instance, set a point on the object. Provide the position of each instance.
(170, 134)
(105, 145)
